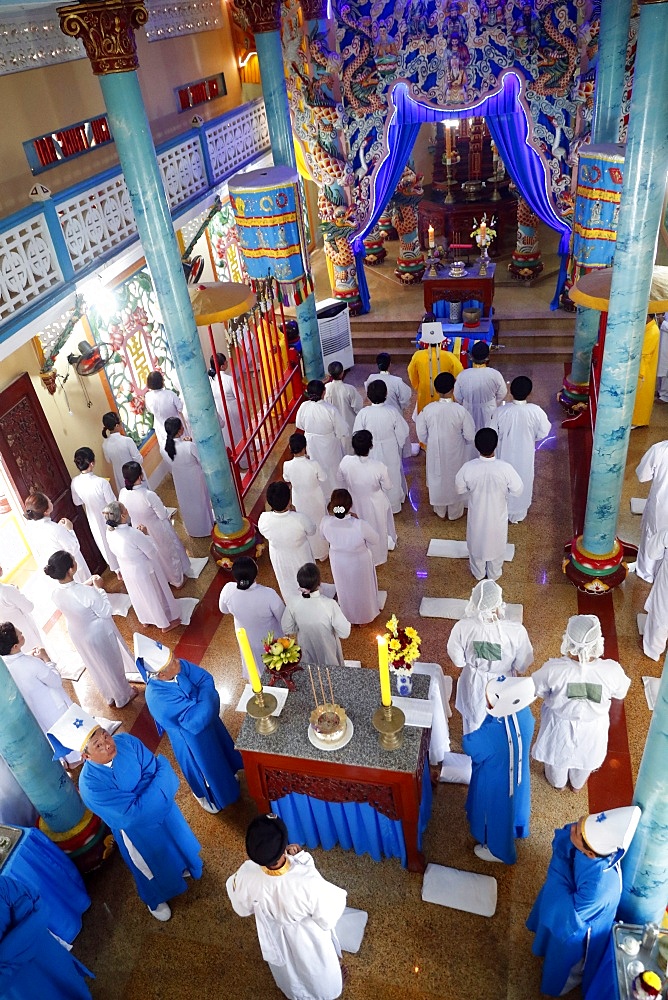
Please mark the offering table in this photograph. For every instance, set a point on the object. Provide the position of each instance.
(470, 285)
(359, 796)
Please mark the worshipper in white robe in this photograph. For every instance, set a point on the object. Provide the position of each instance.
(91, 628)
(488, 483)
(652, 466)
(144, 578)
(520, 426)
(484, 645)
(390, 432)
(446, 429)
(480, 389)
(369, 485)
(15, 806)
(576, 689)
(325, 430)
(345, 398)
(662, 367)
(306, 477)
(398, 393)
(145, 507)
(35, 676)
(295, 910)
(288, 534)
(192, 492)
(163, 404)
(317, 621)
(47, 536)
(655, 635)
(16, 608)
(118, 448)
(234, 399)
(255, 608)
(94, 493)
(351, 542)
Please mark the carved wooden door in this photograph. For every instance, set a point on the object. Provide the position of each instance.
(34, 463)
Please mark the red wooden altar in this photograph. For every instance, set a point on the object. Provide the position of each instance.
(454, 223)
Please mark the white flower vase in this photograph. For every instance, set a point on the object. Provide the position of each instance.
(404, 682)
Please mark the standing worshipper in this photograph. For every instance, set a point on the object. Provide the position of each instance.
(488, 482)
(296, 912)
(36, 677)
(133, 791)
(428, 362)
(576, 689)
(163, 404)
(655, 635)
(145, 507)
(649, 360)
(317, 621)
(192, 492)
(351, 541)
(288, 534)
(255, 608)
(520, 426)
(16, 608)
(144, 578)
(483, 645)
(369, 485)
(498, 803)
(480, 389)
(91, 628)
(345, 398)
(398, 393)
(305, 478)
(117, 447)
(390, 432)
(232, 401)
(325, 431)
(47, 536)
(94, 493)
(446, 429)
(652, 466)
(33, 963)
(183, 700)
(573, 915)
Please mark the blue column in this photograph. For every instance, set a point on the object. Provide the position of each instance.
(586, 335)
(309, 336)
(639, 217)
(645, 867)
(274, 91)
(29, 756)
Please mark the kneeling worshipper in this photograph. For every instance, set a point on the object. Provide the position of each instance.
(573, 915)
(34, 965)
(499, 797)
(183, 700)
(296, 912)
(655, 635)
(318, 621)
(133, 791)
(483, 645)
(16, 608)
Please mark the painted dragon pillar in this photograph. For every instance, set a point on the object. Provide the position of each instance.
(410, 262)
(526, 262)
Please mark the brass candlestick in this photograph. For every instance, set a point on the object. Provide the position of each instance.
(260, 708)
(389, 721)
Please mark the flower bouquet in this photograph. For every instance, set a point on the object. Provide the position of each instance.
(281, 658)
(484, 233)
(404, 648)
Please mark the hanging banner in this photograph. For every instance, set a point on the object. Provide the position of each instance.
(599, 192)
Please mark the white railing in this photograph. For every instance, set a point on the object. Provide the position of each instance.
(96, 220)
(183, 171)
(236, 139)
(28, 265)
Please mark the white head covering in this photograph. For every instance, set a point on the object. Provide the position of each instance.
(509, 695)
(486, 602)
(72, 731)
(611, 831)
(154, 655)
(583, 638)
(432, 333)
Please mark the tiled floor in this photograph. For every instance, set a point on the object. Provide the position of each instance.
(412, 950)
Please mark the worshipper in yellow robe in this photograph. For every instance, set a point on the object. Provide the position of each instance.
(649, 360)
(429, 362)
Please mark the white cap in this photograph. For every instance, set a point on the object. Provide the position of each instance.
(612, 830)
(509, 695)
(154, 654)
(431, 333)
(583, 638)
(486, 597)
(71, 731)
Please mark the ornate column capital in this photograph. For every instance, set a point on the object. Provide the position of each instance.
(263, 15)
(107, 30)
(314, 10)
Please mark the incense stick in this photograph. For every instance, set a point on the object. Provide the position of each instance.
(322, 687)
(310, 673)
(331, 690)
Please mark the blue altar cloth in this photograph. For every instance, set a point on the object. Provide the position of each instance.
(316, 823)
(40, 864)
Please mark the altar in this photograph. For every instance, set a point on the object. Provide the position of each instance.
(472, 284)
(358, 797)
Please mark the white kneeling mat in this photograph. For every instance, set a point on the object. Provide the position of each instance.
(638, 505)
(382, 598)
(450, 549)
(120, 604)
(455, 607)
(186, 607)
(651, 685)
(456, 768)
(642, 621)
(460, 890)
(350, 929)
(196, 567)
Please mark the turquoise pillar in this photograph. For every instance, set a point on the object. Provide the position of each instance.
(639, 217)
(106, 28)
(29, 756)
(586, 335)
(645, 867)
(309, 335)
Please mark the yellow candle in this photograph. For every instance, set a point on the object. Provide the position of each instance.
(384, 671)
(430, 231)
(249, 660)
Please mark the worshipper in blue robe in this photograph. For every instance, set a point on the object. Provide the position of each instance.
(499, 797)
(34, 965)
(133, 791)
(573, 915)
(183, 700)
